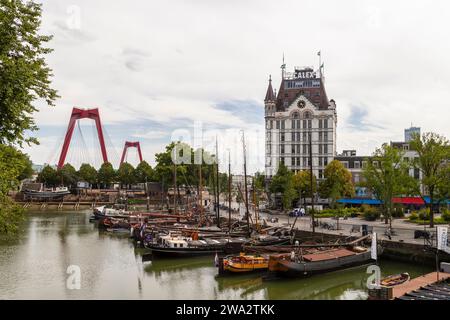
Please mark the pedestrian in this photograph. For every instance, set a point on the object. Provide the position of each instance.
(302, 212)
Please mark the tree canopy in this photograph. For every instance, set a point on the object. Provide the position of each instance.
(337, 183)
(387, 175)
(282, 183)
(24, 74)
(433, 161)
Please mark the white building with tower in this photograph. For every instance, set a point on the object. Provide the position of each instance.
(300, 111)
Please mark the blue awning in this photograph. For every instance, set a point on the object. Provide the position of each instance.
(360, 201)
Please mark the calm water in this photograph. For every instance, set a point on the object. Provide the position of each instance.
(35, 267)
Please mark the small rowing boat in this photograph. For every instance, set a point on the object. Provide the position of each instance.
(395, 280)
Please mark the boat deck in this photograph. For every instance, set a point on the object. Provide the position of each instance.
(332, 254)
(414, 289)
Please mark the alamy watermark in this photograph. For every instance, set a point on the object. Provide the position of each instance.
(73, 281)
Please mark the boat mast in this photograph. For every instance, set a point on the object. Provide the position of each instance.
(254, 203)
(245, 184)
(217, 186)
(229, 191)
(175, 188)
(311, 182)
(200, 193)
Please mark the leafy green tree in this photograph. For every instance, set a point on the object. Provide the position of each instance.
(125, 174)
(67, 175)
(386, 175)
(88, 173)
(24, 74)
(302, 184)
(106, 174)
(48, 176)
(27, 171)
(143, 172)
(24, 78)
(12, 164)
(282, 183)
(433, 162)
(338, 182)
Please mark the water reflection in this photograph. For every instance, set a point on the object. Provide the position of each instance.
(35, 264)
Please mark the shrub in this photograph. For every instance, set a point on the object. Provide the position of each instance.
(398, 212)
(371, 214)
(413, 217)
(445, 215)
(424, 214)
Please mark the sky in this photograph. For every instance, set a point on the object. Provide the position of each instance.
(163, 70)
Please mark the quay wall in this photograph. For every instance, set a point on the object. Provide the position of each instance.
(392, 250)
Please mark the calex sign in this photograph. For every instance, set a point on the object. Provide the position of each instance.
(305, 74)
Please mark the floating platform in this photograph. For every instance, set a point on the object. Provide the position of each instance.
(426, 287)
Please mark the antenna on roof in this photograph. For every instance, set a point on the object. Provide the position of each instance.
(283, 67)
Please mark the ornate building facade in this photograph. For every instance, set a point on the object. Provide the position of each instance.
(299, 112)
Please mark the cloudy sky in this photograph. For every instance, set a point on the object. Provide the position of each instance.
(157, 69)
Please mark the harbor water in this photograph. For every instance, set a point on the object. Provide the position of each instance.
(37, 265)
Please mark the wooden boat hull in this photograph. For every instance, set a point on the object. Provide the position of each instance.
(185, 252)
(283, 266)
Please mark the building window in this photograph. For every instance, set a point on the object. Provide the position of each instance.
(282, 137)
(292, 136)
(293, 149)
(304, 162)
(345, 163)
(320, 123)
(304, 136)
(298, 124)
(304, 149)
(325, 148)
(356, 164)
(320, 135)
(320, 161)
(298, 136)
(304, 124)
(416, 174)
(320, 149)
(320, 174)
(282, 160)
(309, 124)
(282, 149)
(325, 136)
(292, 124)
(278, 124)
(282, 125)
(325, 123)
(325, 161)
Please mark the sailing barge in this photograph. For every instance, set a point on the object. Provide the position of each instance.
(324, 261)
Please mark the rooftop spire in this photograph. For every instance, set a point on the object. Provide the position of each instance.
(270, 96)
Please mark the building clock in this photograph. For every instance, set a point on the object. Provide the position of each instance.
(301, 104)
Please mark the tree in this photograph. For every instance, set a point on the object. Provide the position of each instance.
(88, 173)
(12, 164)
(48, 176)
(27, 170)
(302, 183)
(24, 75)
(125, 174)
(386, 175)
(282, 183)
(106, 174)
(260, 186)
(143, 172)
(67, 175)
(433, 162)
(338, 182)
